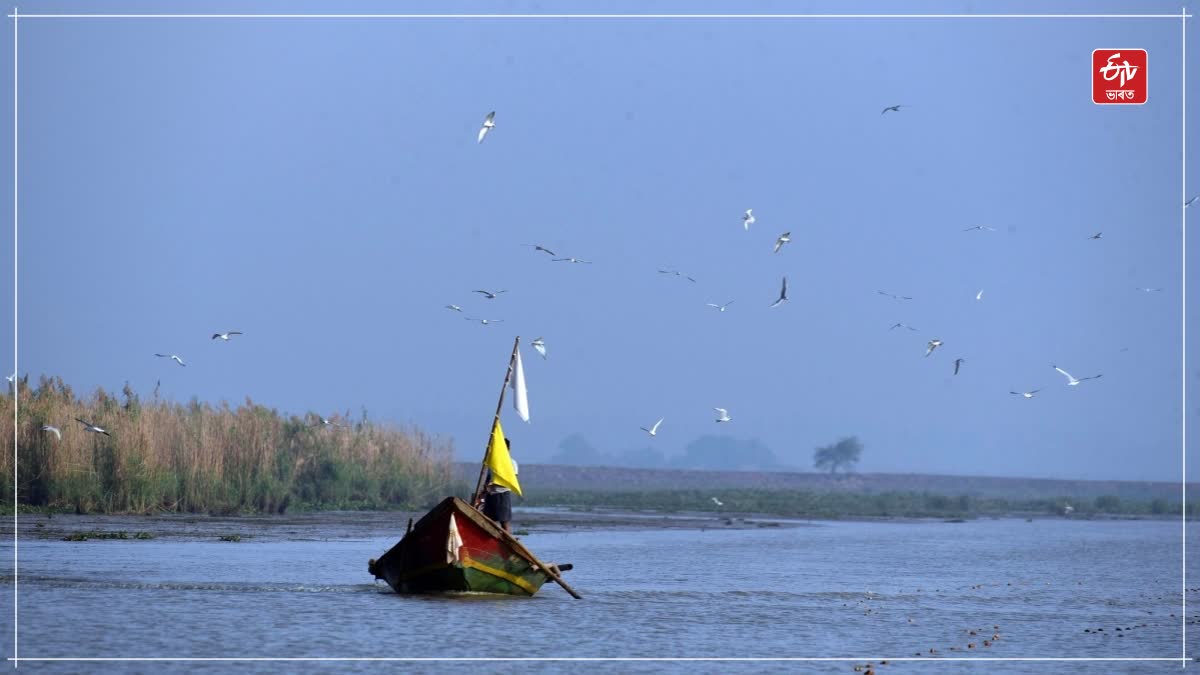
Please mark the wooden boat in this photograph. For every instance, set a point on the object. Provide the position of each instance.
(455, 548)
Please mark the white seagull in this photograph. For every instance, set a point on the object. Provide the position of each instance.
(1098, 235)
(958, 362)
(12, 379)
(52, 429)
(1074, 381)
(1026, 394)
(893, 108)
(225, 336)
(901, 325)
(979, 295)
(486, 322)
(573, 260)
(748, 219)
(783, 239)
(488, 124)
(454, 308)
(92, 427)
(1189, 202)
(1149, 290)
(326, 423)
(720, 308)
(718, 502)
(894, 296)
(980, 227)
(173, 357)
(540, 346)
(782, 294)
(933, 344)
(723, 415)
(490, 295)
(653, 431)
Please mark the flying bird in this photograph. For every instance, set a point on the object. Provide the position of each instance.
(980, 227)
(539, 247)
(723, 415)
(12, 379)
(488, 124)
(1098, 235)
(894, 296)
(783, 239)
(979, 295)
(326, 423)
(678, 274)
(1026, 394)
(782, 294)
(53, 430)
(653, 431)
(720, 308)
(92, 427)
(173, 357)
(933, 344)
(489, 295)
(573, 260)
(901, 325)
(1074, 381)
(454, 308)
(540, 346)
(486, 322)
(892, 108)
(225, 336)
(1149, 290)
(718, 502)
(748, 219)
(957, 363)
(1189, 202)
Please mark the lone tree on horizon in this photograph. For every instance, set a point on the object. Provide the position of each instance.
(844, 453)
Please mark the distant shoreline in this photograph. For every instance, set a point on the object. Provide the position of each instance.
(537, 478)
(317, 526)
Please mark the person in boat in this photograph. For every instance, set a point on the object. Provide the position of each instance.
(497, 499)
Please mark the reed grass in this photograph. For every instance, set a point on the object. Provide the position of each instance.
(199, 457)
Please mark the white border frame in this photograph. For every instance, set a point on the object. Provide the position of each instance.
(1183, 16)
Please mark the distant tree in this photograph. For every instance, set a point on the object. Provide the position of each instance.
(727, 454)
(843, 454)
(576, 450)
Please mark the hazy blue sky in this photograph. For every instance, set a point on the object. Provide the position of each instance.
(318, 185)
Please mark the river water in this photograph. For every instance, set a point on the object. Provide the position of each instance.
(696, 587)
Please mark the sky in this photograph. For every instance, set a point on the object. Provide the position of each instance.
(317, 184)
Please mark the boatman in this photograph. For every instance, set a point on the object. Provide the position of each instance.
(497, 500)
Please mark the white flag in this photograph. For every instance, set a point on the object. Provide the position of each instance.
(520, 397)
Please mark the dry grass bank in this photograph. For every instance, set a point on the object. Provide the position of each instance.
(198, 457)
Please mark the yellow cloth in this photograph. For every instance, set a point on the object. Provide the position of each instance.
(500, 462)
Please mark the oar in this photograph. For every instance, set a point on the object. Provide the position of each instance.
(515, 543)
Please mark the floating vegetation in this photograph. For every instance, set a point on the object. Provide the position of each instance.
(97, 534)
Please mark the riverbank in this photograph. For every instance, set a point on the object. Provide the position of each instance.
(366, 525)
(158, 455)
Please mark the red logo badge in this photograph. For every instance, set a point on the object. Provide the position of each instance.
(1119, 76)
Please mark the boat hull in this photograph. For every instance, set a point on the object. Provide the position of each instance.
(455, 548)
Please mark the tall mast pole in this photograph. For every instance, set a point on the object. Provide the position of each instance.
(499, 406)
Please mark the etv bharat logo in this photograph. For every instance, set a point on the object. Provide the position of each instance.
(1119, 76)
